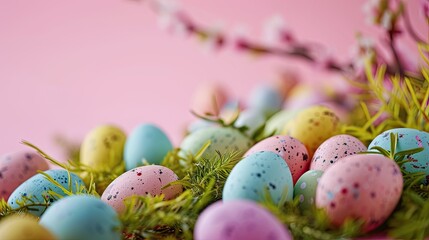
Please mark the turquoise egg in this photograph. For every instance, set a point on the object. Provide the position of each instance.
(82, 217)
(257, 174)
(265, 98)
(36, 189)
(305, 188)
(408, 138)
(146, 142)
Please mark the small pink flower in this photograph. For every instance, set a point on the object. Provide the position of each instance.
(372, 10)
(425, 8)
(275, 31)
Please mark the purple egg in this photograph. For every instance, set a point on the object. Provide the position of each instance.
(239, 219)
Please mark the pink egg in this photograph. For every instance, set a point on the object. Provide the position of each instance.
(208, 98)
(290, 149)
(362, 186)
(238, 219)
(141, 181)
(16, 168)
(335, 148)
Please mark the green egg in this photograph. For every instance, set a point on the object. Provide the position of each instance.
(305, 188)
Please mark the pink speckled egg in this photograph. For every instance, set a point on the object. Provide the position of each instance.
(238, 219)
(141, 181)
(16, 168)
(335, 148)
(290, 149)
(361, 186)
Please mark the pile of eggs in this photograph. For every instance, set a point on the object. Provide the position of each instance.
(303, 156)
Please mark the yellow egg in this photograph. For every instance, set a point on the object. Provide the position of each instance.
(312, 126)
(19, 227)
(103, 148)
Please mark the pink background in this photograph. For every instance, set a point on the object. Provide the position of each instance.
(68, 66)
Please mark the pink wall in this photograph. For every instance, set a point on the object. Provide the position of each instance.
(67, 66)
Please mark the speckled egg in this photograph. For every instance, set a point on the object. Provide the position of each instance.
(361, 186)
(312, 126)
(305, 188)
(199, 124)
(19, 227)
(103, 148)
(290, 149)
(276, 123)
(36, 188)
(253, 119)
(266, 99)
(334, 149)
(82, 217)
(141, 181)
(408, 138)
(224, 140)
(16, 168)
(258, 174)
(238, 219)
(146, 142)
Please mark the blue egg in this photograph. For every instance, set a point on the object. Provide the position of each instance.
(266, 99)
(82, 217)
(257, 173)
(35, 190)
(408, 138)
(146, 142)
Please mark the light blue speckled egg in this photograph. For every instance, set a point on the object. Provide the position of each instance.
(266, 99)
(146, 142)
(257, 173)
(305, 188)
(82, 217)
(408, 138)
(253, 119)
(36, 188)
(223, 139)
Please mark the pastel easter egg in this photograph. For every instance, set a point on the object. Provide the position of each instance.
(141, 181)
(408, 138)
(362, 186)
(19, 227)
(276, 123)
(16, 168)
(146, 142)
(199, 124)
(230, 111)
(238, 219)
(305, 188)
(222, 139)
(103, 148)
(82, 217)
(312, 126)
(290, 149)
(36, 190)
(266, 99)
(258, 174)
(253, 119)
(303, 96)
(334, 149)
(208, 98)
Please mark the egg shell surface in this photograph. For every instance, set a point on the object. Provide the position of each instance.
(312, 126)
(103, 148)
(82, 217)
(408, 138)
(146, 142)
(238, 220)
(224, 140)
(19, 227)
(141, 181)
(16, 168)
(257, 173)
(266, 99)
(37, 187)
(305, 188)
(253, 119)
(362, 186)
(276, 123)
(334, 149)
(290, 149)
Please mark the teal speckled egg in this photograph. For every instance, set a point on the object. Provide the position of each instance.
(224, 140)
(82, 217)
(256, 174)
(305, 188)
(408, 138)
(36, 188)
(146, 142)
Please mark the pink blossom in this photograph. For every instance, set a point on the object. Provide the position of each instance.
(425, 8)
(275, 31)
(372, 10)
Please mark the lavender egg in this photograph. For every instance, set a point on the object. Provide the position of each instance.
(16, 168)
(238, 220)
(335, 148)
